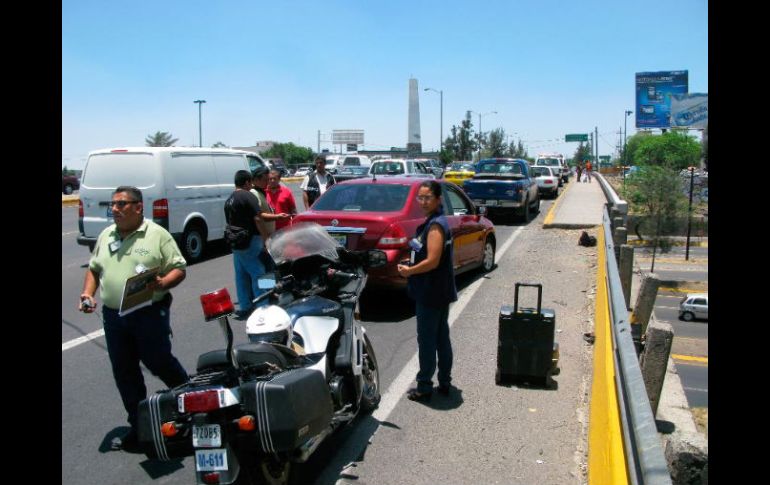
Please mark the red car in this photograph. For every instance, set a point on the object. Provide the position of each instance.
(384, 214)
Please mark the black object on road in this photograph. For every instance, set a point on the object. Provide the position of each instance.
(526, 349)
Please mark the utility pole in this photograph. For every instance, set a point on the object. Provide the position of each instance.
(200, 126)
(596, 148)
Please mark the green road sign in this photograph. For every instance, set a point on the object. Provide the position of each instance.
(604, 158)
(576, 137)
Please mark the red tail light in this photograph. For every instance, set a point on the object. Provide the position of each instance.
(160, 209)
(200, 401)
(548, 182)
(211, 478)
(394, 237)
(217, 304)
(80, 209)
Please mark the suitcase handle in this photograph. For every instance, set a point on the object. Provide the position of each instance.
(539, 287)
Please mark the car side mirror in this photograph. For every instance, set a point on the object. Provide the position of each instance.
(376, 258)
(483, 210)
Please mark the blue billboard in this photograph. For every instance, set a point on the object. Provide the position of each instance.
(653, 97)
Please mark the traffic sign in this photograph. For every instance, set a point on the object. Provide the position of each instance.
(576, 137)
(604, 158)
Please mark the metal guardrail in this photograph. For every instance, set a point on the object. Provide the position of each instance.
(645, 461)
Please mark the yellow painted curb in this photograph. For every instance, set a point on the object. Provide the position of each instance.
(691, 358)
(682, 290)
(606, 449)
(69, 200)
(552, 212)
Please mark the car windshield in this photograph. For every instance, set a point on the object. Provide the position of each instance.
(541, 172)
(461, 166)
(551, 162)
(302, 240)
(388, 168)
(354, 170)
(363, 198)
(500, 167)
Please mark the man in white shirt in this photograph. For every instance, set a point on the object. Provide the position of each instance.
(316, 182)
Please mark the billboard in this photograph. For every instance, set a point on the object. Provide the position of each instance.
(343, 137)
(653, 97)
(690, 110)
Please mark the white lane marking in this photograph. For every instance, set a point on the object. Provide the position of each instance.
(68, 233)
(81, 340)
(695, 389)
(401, 384)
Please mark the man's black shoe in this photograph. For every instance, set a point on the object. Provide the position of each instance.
(127, 442)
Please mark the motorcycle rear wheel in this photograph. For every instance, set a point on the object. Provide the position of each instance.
(370, 395)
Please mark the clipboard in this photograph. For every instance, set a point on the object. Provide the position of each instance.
(136, 295)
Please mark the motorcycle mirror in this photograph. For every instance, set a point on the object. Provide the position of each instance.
(266, 281)
(377, 258)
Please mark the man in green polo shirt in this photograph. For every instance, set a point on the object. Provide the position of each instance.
(131, 246)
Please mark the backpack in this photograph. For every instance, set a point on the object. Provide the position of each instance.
(586, 240)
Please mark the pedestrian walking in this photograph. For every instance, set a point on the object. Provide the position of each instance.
(431, 284)
(579, 169)
(128, 247)
(280, 198)
(588, 171)
(243, 213)
(316, 183)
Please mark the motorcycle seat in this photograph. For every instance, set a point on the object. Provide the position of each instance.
(249, 354)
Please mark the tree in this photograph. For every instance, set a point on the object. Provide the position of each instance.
(160, 139)
(290, 153)
(218, 145)
(465, 138)
(582, 153)
(656, 192)
(496, 146)
(675, 150)
(65, 171)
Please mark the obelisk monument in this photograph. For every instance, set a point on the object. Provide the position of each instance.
(414, 143)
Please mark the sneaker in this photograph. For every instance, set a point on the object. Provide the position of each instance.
(444, 389)
(128, 442)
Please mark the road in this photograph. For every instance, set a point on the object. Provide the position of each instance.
(690, 346)
(487, 416)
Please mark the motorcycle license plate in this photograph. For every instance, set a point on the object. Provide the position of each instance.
(211, 460)
(207, 436)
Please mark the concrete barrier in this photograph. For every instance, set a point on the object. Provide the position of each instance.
(70, 200)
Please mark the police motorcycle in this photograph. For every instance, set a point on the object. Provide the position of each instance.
(253, 411)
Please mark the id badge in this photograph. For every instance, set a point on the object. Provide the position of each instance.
(115, 245)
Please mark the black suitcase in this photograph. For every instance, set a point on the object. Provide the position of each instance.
(526, 349)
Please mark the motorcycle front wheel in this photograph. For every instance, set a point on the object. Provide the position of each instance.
(370, 395)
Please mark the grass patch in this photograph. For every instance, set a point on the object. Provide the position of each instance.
(701, 417)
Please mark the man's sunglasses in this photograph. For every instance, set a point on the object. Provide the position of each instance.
(122, 203)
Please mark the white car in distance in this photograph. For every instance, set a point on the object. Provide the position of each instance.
(547, 180)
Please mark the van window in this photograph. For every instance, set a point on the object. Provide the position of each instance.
(226, 166)
(110, 170)
(254, 162)
(190, 170)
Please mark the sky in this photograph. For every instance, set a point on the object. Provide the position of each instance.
(283, 70)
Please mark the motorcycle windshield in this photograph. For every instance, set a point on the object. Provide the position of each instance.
(300, 241)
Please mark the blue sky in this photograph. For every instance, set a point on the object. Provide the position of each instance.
(282, 70)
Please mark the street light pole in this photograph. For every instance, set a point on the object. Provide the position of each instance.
(200, 125)
(441, 127)
(625, 134)
(481, 133)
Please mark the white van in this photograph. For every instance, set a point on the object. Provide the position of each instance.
(184, 190)
(336, 162)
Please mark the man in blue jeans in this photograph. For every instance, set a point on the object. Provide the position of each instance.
(130, 246)
(242, 210)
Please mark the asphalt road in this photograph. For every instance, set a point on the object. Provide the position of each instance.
(533, 422)
(690, 346)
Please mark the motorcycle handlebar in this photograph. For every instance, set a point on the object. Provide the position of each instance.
(333, 273)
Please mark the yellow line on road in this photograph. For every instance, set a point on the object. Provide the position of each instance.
(552, 212)
(681, 290)
(692, 358)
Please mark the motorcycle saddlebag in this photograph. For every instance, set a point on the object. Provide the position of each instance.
(525, 347)
(157, 409)
(289, 409)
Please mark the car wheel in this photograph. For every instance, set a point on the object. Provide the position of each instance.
(193, 243)
(536, 205)
(488, 261)
(688, 316)
(68, 189)
(525, 211)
